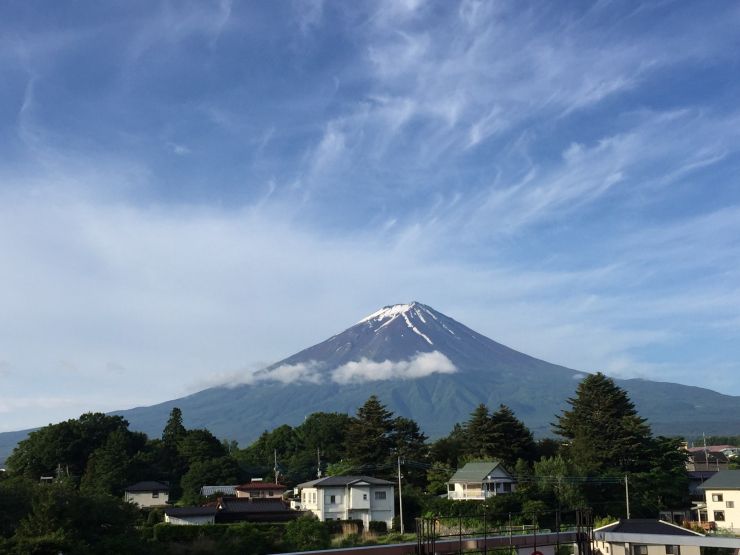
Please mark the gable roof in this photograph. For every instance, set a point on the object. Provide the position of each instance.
(476, 472)
(646, 526)
(334, 481)
(147, 486)
(724, 479)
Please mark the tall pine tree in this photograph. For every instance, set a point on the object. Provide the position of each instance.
(512, 440)
(604, 431)
(368, 439)
(479, 433)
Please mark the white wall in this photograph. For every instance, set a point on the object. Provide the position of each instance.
(147, 498)
(732, 514)
(620, 548)
(353, 503)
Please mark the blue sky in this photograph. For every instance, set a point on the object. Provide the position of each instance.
(193, 190)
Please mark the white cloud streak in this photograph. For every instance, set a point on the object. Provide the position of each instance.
(420, 366)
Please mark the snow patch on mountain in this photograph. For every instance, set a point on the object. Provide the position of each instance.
(416, 331)
(387, 312)
(420, 366)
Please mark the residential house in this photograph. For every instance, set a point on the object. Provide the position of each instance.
(232, 509)
(722, 497)
(260, 490)
(703, 461)
(480, 480)
(148, 494)
(639, 536)
(349, 498)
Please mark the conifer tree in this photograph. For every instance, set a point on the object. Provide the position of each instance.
(479, 433)
(174, 430)
(605, 432)
(511, 439)
(368, 440)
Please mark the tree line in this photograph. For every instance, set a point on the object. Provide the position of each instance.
(598, 440)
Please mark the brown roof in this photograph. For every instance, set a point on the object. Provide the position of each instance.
(260, 485)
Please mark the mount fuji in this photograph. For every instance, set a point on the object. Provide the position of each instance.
(426, 366)
(429, 367)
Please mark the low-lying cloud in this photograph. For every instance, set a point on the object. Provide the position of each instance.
(303, 372)
(420, 366)
(360, 371)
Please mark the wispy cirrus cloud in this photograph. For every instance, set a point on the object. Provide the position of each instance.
(560, 178)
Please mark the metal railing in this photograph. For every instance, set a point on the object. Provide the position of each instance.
(488, 532)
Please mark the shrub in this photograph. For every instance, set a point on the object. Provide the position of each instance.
(307, 533)
(378, 527)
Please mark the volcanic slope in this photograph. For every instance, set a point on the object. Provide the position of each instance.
(429, 367)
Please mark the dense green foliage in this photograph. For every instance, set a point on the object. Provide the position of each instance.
(94, 457)
(607, 438)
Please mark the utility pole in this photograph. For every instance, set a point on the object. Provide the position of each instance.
(318, 462)
(627, 494)
(275, 468)
(400, 496)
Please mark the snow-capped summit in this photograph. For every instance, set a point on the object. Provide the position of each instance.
(412, 315)
(426, 366)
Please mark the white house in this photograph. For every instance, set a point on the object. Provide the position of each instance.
(480, 480)
(642, 536)
(722, 495)
(148, 494)
(349, 498)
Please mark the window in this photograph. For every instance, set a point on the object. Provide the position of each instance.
(364, 496)
(155, 494)
(507, 487)
(730, 504)
(332, 499)
(641, 550)
(716, 497)
(379, 495)
(269, 494)
(719, 516)
(672, 550)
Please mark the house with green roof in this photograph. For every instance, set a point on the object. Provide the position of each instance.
(722, 494)
(480, 480)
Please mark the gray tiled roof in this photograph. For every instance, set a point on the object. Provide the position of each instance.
(333, 481)
(724, 479)
(646, 526)
(476, 471)
(234, 505)
(147, 486)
